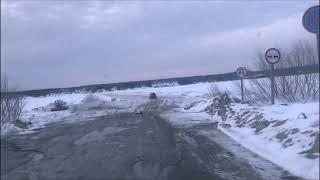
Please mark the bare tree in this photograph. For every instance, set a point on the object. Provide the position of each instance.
(259, 90)
(300, 54)
(11, 104)
(291, 88)
(213, 90)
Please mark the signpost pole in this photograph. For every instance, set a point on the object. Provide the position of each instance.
(242, 101)
(272, 56)
(272, 83)
(318, 46)
(241, 72)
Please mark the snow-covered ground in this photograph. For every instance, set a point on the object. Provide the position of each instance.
(37, 109)
(286, 137)
(279, 133)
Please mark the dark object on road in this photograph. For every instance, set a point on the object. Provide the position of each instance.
(302, 116)
(59, 105)
(152, 96)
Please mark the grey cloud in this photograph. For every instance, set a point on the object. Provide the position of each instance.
(59, 44)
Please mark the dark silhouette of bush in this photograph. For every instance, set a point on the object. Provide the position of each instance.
(11, 104)
(153, 96)
(59, 105)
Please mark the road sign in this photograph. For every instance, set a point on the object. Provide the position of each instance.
(241, 72)
(311, 19)
(273, 56)
(311, 22)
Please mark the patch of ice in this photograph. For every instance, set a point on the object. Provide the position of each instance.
(98, 135)
(187, 119)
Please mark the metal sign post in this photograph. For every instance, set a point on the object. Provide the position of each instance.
(311, 22)
(272, 56)
(241, 72)
(242, 99)
(318, 42)
(272, 83)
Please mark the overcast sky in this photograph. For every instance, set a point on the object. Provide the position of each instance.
(63, 44)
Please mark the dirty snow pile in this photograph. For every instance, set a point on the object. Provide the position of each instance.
(287, 135)
(37, 111)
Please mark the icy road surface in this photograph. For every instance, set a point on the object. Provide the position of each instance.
(129, 145)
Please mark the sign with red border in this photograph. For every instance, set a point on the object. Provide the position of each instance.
(311, 19)
(273, 56)
(241, 72)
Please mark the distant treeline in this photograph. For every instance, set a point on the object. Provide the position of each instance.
(181, 81)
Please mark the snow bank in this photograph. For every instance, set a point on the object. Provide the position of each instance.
(9, 128)
(38, 102)
(70, 99)
(37, 109)
(285, 138)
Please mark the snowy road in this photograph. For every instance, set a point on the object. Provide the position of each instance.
(129, 146)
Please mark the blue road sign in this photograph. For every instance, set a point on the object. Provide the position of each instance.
(311, 19)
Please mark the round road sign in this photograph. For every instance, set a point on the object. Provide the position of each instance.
(241, 72)
(311, 19)
(273, 56)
